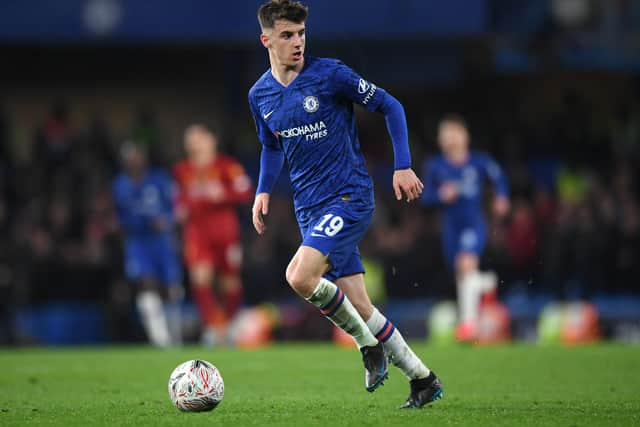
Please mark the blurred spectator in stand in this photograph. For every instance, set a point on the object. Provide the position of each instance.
(146, 133)
(54, 143)
(522, 239)
(8, 276)
(626, 266)
(396, 238)
(627, 247)
(262, 272)
(624, 132)
(5, 155)
(96, 139)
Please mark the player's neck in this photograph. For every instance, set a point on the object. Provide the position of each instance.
(203, 161)
(137, 175)
(458, 158)
(285, 74)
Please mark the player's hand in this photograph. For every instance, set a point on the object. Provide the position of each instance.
(501, 206)
(182, 213)
(448, 192)
(259, 210)
(215, 192)
(407, 184)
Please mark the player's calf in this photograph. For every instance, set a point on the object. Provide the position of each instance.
(335, 306)
(304, 275)
(397, 348)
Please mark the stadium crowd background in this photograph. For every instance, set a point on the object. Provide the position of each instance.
(556, 101)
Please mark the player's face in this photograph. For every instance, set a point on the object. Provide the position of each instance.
(453, 138)
(199, 144)
(286, 41)
(135, 161)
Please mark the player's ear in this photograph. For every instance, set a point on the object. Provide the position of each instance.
(265, 40)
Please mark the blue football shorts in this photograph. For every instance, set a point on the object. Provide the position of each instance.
(458, 240)
(335, 230)
(153, 257)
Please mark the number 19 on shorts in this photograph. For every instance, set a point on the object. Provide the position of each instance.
(330, 225)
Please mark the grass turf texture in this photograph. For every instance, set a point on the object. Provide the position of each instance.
(322, 385)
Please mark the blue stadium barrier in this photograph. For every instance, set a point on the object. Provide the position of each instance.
(61, 324)
(409, 315)
(617, 307)
(525, 305)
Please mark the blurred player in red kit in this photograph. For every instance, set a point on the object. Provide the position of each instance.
(211, 186)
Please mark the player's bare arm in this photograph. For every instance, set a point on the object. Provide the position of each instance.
(448, 192)
(501, 206)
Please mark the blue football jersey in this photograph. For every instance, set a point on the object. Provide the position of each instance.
(312, 121)
(469, 179)
(140, 203)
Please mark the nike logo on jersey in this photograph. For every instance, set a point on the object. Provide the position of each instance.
(266, 116)
(317, 235)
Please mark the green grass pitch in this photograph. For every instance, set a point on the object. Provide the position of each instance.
(319, 384)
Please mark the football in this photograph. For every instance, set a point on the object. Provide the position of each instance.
(196, 386)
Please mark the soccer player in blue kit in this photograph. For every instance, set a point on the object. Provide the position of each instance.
(143, 198)
(454, 180)
(303, 110)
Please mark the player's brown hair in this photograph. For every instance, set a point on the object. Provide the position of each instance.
(202, 127)
(455, 119)
(288, 10)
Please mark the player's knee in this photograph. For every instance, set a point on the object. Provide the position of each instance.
(230, 283)
(201, 276)
(300, 281)
(147, 284)
(201, 283)
(466, 263)
(291, 273)
(294, 279)
(175, 292)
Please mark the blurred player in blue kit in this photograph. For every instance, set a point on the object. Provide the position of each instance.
(144, 199)
(303, 111)
(454, 180)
